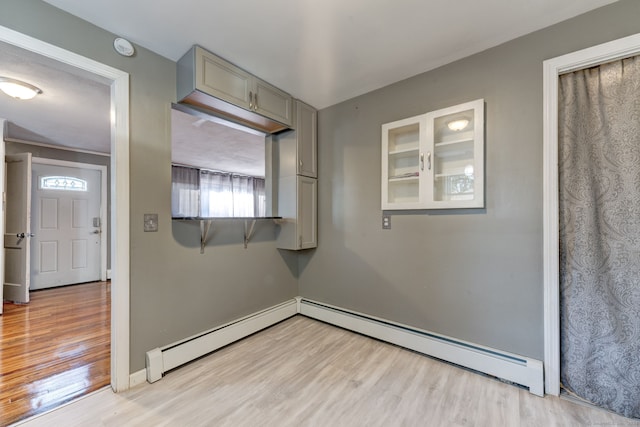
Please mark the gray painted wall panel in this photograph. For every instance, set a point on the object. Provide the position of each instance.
(475, 275)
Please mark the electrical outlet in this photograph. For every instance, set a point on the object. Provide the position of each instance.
(150, 222)
(386, 222)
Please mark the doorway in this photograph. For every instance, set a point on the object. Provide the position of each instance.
(618, 49)
(68, 223)
(56, 344)
(119, 183)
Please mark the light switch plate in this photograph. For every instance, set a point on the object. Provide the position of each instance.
(150, 222)
(386, 222)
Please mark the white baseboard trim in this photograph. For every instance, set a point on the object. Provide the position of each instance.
(109, 274)
(163, 359)
(517, 369)
(137, 378)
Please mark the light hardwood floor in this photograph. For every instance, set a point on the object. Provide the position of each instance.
(53, 349)
(305, 373)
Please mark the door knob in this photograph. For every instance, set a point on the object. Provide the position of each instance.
(95, 232)
(23, 235)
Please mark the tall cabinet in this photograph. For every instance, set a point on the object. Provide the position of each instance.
(297, 180)
(435, 160)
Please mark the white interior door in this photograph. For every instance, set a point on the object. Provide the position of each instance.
(67, 225)
(17, 233)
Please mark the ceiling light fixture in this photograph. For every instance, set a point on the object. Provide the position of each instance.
(18, 89)
(457, 125)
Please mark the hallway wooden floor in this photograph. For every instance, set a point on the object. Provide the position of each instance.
(54, 349)
(302, 372)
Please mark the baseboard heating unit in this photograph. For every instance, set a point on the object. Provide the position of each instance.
(511, 367)
(517, 369)
(164, 359)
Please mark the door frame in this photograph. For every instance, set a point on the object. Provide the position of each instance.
(103, 201)
(3, 131)
(120, 211)
(552, 68)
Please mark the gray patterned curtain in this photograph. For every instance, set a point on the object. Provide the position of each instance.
(599, 168)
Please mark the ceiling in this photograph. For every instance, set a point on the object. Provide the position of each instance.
(322, 52)
(210, 145)
(59, 116)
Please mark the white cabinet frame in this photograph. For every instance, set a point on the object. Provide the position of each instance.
(428, 163)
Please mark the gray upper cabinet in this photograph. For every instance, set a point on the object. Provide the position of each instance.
(307, 131)
(299, 147)
(270, 101)
(211, 83)
(222, 79)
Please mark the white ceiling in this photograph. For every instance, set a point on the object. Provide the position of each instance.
(322, 52)
(326, 51)
(73, 109)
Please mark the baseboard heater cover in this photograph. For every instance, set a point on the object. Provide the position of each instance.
(164, 359)
(517, 369)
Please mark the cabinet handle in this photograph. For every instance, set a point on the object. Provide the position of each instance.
(300, 246)
(421, 161)
(429, 160)
(250, 100)
(255, 102)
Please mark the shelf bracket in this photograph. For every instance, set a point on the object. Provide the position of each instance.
(248, 231)
(205, 226)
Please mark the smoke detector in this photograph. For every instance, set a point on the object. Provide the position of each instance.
(123, 47)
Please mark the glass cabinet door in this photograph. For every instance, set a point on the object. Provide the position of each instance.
(456, 156)
(401, 165)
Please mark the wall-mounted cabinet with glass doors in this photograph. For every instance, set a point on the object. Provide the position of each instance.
(435, 160)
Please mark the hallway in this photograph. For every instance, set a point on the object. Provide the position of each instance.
(54, 349)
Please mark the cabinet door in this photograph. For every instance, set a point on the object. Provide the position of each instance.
(298, 207)
(272, 102)
(455, 156)
(403, 164)
(222, 79)
(307, 225)
(307, 133)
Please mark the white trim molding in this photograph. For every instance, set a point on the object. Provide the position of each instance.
(138, 378)
(552, 68)
(57, 147)
(119, 81)
(3, 131)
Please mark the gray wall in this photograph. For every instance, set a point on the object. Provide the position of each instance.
(175, 291)
(475, 275)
